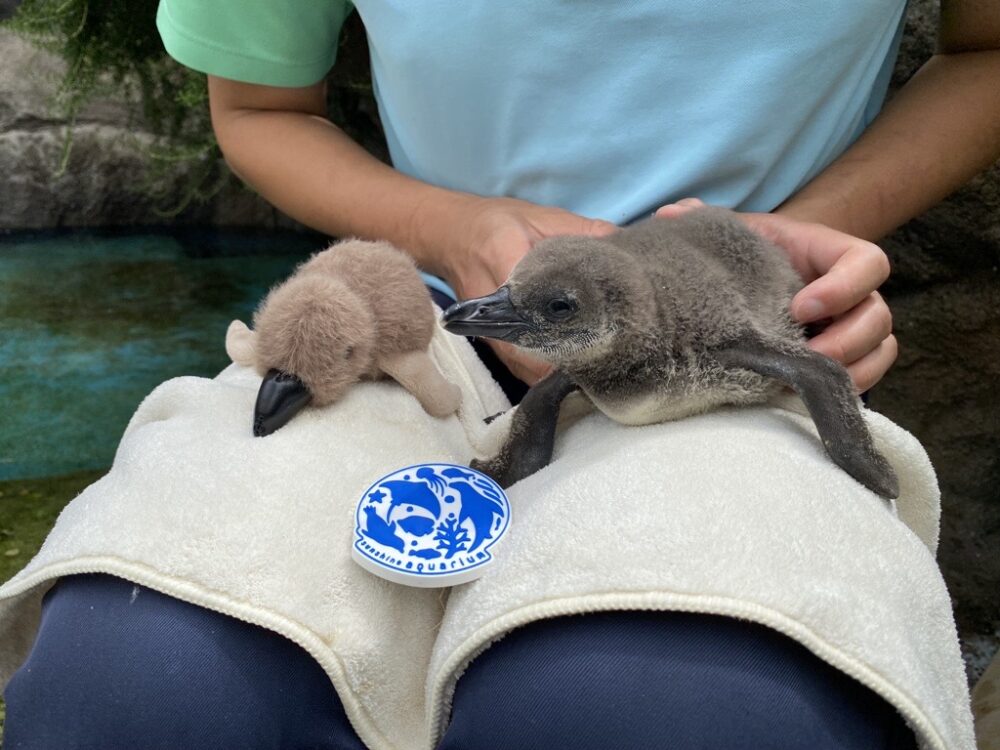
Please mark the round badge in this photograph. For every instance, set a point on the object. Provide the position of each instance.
(430, 525)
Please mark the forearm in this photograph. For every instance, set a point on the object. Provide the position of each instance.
(307, 167)
(940, 130)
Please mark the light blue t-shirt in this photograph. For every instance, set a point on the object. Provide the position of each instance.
(608, 109)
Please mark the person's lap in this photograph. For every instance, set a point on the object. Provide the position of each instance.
(117, 665)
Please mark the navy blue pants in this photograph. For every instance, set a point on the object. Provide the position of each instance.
(120, 666)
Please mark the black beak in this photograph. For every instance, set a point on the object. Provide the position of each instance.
(493, 317)
(281, 397)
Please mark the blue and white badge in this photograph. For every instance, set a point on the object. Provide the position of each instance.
(430, 525)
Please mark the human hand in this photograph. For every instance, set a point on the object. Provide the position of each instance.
(494, 234)
(841, 273)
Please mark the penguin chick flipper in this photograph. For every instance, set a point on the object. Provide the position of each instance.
(281, 397)
(825, 388)
(418, 374)
(529, 443)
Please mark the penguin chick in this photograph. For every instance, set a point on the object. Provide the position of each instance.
(658, 321)
(356, 311)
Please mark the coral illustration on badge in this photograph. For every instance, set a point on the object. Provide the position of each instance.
(430, 525)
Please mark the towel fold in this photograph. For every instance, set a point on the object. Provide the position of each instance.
(738, 512)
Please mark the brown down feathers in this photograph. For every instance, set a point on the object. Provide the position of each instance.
(338, 319)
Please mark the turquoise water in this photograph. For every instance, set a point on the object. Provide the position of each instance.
(89, 324)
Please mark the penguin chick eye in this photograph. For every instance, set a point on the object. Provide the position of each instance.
(559, 308)
(349, 352)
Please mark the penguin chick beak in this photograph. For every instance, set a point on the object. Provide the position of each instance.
(281, 397)
(492, 316)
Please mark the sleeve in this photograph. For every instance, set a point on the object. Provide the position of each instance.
(286, 43)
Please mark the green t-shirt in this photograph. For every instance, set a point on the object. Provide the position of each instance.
(287, 43)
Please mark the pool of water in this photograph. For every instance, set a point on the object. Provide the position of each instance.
(91, 322)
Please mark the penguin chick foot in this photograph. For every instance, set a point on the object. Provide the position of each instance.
(529, 443)
(497, 468)
(865, 464)
(825, 388)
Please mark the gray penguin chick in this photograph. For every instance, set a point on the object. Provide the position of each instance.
(658, 321)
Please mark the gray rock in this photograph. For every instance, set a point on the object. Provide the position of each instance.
(107, 180)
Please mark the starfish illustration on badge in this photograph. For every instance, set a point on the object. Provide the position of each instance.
(430, 525)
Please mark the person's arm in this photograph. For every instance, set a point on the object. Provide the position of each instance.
(279, 141)
(941, 129)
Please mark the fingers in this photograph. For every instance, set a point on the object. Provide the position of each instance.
(673, 210)
(600, 228)
(862, 340)
(856, 333)
(542, 222)
(844, 271)
(840, 270)
(868, 370)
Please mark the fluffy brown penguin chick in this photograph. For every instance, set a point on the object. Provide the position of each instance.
(358, 310)
(663, 319)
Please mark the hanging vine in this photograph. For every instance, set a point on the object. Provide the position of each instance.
(112, 50)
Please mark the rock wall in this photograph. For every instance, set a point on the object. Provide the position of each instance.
(945, 291)
(105, 180)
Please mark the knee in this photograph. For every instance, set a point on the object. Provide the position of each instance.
(117, 665)
(653, 680)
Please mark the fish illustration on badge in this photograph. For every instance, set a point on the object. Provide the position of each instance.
(430, 525)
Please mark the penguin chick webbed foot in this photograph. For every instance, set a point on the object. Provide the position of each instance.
(825, 388)
(528, 446)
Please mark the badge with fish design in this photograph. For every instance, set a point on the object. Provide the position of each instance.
(430, 525)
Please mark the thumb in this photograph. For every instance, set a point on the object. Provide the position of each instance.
(673, 210)
(599, 227)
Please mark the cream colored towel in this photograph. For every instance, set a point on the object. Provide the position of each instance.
(738, 512)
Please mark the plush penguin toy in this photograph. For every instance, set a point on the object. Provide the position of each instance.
(358, 310)
(658, 321)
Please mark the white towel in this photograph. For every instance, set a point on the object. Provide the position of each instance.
(738, 512)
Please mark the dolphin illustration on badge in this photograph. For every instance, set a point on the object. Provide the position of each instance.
(430, 525)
